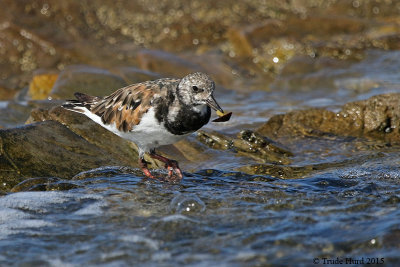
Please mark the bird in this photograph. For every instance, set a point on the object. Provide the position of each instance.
(153, 113)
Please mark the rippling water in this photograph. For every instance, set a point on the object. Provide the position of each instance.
(212, 217)
(221, 217)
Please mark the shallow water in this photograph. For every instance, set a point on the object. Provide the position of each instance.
(212, 217)
(349, 209)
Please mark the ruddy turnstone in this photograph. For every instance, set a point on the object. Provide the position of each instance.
(153, 113)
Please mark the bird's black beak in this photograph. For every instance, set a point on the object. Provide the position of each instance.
(213, 104)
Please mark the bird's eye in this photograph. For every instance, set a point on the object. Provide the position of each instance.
(196, 89)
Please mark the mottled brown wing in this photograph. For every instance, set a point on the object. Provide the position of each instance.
(126, 106)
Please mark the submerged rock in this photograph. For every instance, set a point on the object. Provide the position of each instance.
(43, 184)
(304, 170)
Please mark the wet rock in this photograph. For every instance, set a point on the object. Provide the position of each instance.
(303, 170)
(41, 85)
(377, 117)
(214, 140)
(343, 137)
(123, 151)
(46, 149)
(85, 79)
(108, 171)
(249, 144)
(278, 171)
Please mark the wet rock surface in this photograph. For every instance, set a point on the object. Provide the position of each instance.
(46, 149)
(248, 144)
(377, 117)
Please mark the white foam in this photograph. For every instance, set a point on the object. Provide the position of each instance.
(30, 223)
(13, 221)
(26, 212)
(245, 255)
(161, 256)
(111, 256)
(91, 209)
(7, 214)
(60, 263)
(176, 217)
(33, 201)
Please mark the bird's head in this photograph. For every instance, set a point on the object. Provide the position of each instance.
(197, 89)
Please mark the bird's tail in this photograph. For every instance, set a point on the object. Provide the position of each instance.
(81, 102)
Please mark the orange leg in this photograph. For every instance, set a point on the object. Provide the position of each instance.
(143, 166)
(171, 165)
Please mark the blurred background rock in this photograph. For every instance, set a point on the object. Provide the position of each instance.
(244, 42)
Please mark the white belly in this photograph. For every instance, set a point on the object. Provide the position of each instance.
(148, 134)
